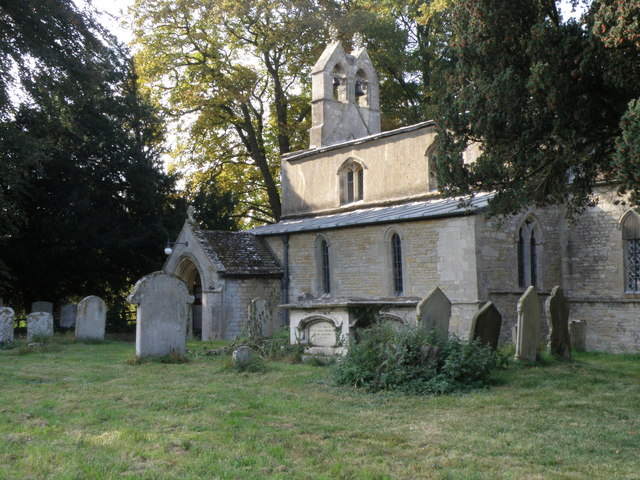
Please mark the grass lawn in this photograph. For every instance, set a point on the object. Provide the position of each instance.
(80, 411)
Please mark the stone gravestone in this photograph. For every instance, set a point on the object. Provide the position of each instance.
(163, 302)
(434, 311)
(578, 335)
(6, 325)
(485, 326)
(557, 310)
(528, 332)
(242, 356)
(68, 314)
(258, 321)
(90, 318)
(39, 324)
(42, 307)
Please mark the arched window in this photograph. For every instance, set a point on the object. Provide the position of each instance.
(396, 264)
(339, 84)
(529, 244)
(323, 266)
(361, 87)
(351, 182)
(631, 245)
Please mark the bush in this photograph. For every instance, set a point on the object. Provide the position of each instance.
(415, 361)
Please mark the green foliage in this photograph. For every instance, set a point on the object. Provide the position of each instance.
(255, 365)
(414, 361)
(86, 207)
(544, 97)
(173, 358)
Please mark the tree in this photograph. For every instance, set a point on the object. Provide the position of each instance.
(544, 98)
(89, 207)
(235, 77)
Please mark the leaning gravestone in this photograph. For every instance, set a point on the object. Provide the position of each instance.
(68, 314)
(42, 307)
(557, 309)
(91, 317)
(434, 311)
(578, 335)
(163, 307)
(6, 325)
(39, 324)
(257, 324)
(485, 326)
(528, 332)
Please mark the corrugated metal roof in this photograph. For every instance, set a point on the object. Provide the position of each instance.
(444, 207)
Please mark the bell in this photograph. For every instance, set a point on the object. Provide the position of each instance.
(359, 90)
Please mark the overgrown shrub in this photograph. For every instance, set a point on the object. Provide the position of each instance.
(415, 361)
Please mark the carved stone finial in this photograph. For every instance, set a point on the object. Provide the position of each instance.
(333, 34)
(358, 41)
(190, 213)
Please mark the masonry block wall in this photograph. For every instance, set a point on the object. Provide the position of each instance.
(497, 245)
(237, 294)
(438, 252)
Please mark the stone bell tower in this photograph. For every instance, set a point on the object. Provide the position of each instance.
(345, 98)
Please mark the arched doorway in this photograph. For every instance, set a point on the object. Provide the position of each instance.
(187, 270)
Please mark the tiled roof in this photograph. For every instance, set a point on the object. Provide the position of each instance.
(443, 207)
(238, 253)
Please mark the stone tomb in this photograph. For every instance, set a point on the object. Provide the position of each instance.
(91, 318)
(557, 310)
(434, 311)
(6, 325)
(528, 327)
(39, 324)
(68, 313)
(163, 304)
(485, 326)
(42, 307)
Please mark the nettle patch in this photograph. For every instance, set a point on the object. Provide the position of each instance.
(413, 360)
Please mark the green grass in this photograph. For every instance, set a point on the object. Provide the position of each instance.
(80, 411)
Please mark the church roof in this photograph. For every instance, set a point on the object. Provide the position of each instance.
(422, 210)
(238, 253)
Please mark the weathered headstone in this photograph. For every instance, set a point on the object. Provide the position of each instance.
(578, 335)
(557, 310)
(322, 334)
(434, 311)
(258, 319)
(68, 314)
(39, 324)
(163, 302)
(242, 356)
(529, 319)
(485, 326)
(90, 318)
(42, 307)
(6, 325)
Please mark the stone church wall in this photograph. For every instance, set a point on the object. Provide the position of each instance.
(237, 294)
(311, 184)
(595, 277)
(497, 247)
(439, 252)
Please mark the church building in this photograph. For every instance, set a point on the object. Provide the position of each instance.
(364, 229)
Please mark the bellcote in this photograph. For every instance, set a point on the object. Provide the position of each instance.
(345, 98)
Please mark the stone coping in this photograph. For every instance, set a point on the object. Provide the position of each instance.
(357, 141)
(408, 302)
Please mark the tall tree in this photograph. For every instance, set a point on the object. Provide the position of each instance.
(89, 205)
(543, 96)
(235, 77)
